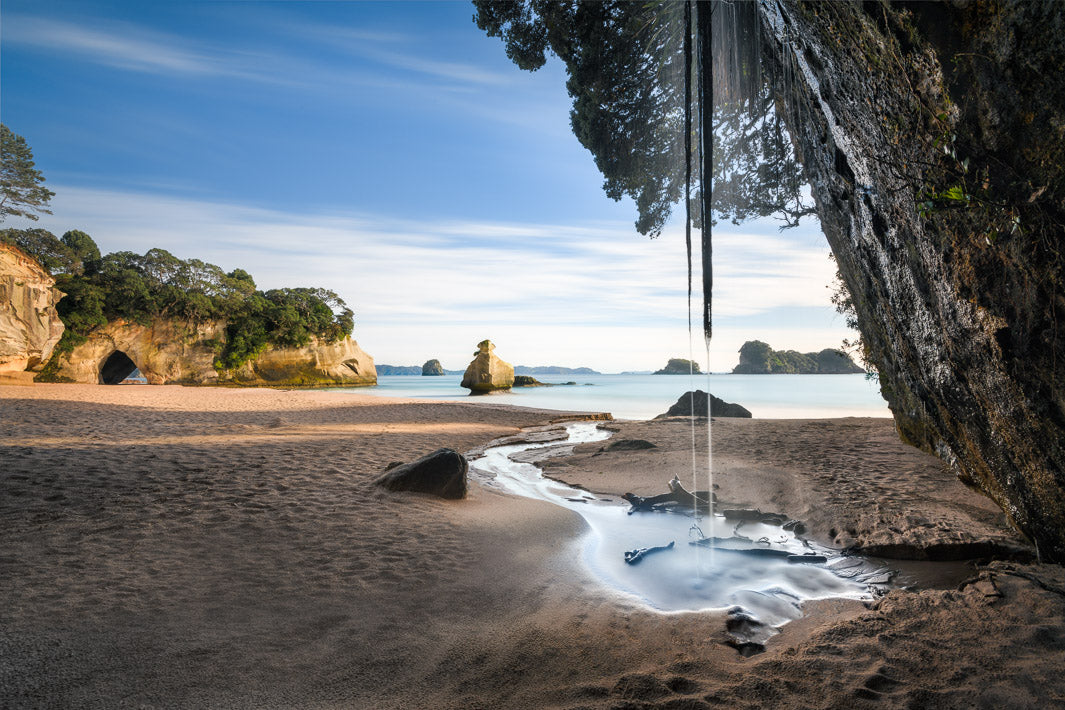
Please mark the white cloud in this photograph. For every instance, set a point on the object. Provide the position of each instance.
(594, 294)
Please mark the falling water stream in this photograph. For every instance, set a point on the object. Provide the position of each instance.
(686, 577)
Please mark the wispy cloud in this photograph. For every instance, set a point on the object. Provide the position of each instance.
(552, 290)
(122, 47)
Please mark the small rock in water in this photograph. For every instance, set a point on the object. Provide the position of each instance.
(795, 526)
(441, 473)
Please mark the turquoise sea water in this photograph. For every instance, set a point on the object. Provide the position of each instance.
(645, 396)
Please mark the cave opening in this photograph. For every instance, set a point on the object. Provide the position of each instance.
(116, 368)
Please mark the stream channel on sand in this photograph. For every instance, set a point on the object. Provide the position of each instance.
(766, 585)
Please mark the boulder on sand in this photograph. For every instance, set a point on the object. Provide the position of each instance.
(487, 373)
(441, 473)
(720, 408)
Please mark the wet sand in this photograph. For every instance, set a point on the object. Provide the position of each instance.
(194, 547)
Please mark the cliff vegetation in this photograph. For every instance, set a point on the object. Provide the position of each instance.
(154, 286)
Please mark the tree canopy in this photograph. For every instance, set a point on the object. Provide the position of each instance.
(626, 77)
(22, 193)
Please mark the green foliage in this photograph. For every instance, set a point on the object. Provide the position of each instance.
(22, 193)
(156, 285)
(626, 77)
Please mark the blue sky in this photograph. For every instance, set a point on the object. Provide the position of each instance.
(388, 151)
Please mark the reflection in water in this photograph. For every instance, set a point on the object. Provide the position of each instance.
(686, 577)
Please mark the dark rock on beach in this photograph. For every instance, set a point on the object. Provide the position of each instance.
(441, 473)
(719, 407)
(629, 445)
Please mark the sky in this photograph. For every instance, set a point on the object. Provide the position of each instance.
(388, 151)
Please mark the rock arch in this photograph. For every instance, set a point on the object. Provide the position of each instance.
(117, 367)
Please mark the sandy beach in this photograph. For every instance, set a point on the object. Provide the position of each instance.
(226, 548)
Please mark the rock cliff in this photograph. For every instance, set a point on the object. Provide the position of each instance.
(29, 324)
(933, 135)
(176, 352)
(487, 373)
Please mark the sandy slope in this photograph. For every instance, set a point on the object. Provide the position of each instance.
(178, 547)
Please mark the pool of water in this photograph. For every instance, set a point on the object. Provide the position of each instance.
(686, 577)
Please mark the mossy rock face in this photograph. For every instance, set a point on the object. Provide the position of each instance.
(933, 142)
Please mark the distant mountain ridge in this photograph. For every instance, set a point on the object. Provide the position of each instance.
(519, 370)
(553, 370)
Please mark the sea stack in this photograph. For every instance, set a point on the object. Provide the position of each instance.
(433, 368)
(487, 373)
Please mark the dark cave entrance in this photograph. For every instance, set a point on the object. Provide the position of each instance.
(117, 368)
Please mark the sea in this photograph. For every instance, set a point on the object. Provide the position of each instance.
(646, 396)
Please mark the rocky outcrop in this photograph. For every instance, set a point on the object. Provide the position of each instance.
(757, 358)
(441, 473)
(433, 368)
(487, 373)
(29, 324)
(933, 135)
(177, 352)
(696, 401)
(680, 366)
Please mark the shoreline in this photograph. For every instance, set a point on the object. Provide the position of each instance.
(192, 547)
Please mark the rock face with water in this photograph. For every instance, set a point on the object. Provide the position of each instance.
(433, 368)
(487, 372)
(697, 400)
(179, 352)
(441, 473)
(29, 324)
(933, 135)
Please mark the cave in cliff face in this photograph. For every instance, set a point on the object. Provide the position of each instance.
(116, 368)
(933, 136)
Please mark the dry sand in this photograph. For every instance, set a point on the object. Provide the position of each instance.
(180, 547)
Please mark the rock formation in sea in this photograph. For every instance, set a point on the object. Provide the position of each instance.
(29, 324)
(433, 368)
(679, 366)
(696, 400)
(487, 373)
(933, 135)
(179, 352)
(758, 358)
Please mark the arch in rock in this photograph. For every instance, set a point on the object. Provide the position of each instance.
(117, 367)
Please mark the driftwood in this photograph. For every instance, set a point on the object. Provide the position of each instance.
(634, 556)
(678, 499)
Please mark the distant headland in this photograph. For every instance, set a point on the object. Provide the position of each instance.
(758, 358)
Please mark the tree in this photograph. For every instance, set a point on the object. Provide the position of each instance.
(21, 191)
(626, 77)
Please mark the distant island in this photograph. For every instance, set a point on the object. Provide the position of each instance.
(758, 358)
(554, 370)
(680, 366)
(433, 368)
